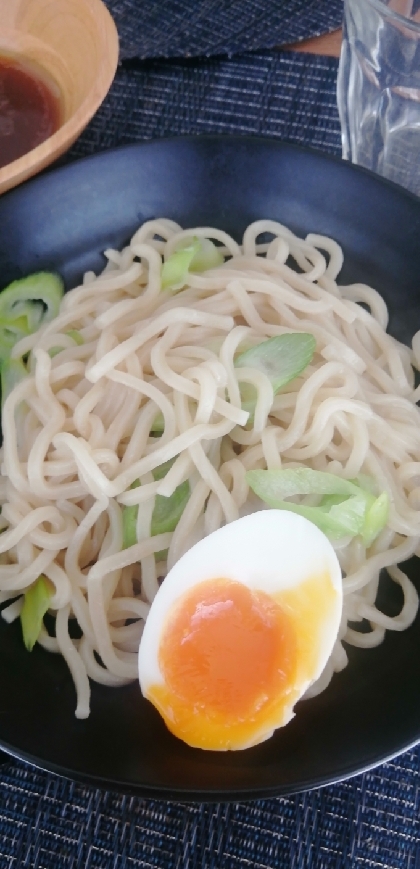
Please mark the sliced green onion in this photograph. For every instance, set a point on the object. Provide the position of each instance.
(11, 331)
(160, 472)
(166, 512)
(345, 507)
(194, 255)
(376, 519)
(37, 600)
(17, 323)
(281, 359)
(158, 424)
(25, 305)
(129, 521)
(23, 319)
(349, 514)
(76, 336)
(329, 501)
(12, 372)
(208, 256)
(161, 555)
(334, 526)
(27, 295)
(277, 485)
(175, 268)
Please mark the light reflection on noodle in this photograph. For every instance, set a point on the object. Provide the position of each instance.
(79, 431)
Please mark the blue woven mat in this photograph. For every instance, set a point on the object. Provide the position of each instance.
(369, 822)
(283, 94)
(187, 28)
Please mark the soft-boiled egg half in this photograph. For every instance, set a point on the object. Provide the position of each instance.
(241, 626)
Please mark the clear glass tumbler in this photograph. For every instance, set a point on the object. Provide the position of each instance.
(378, 88)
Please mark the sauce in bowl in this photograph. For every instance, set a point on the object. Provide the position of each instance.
(29, 108)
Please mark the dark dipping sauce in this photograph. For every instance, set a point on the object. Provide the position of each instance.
(29, 109)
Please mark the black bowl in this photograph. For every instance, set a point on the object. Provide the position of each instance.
(62, 221)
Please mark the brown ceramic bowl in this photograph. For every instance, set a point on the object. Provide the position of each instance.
(75, 42)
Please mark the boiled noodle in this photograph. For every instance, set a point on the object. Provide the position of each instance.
(80, 432)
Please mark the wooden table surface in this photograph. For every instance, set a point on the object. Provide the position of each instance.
(329, 44)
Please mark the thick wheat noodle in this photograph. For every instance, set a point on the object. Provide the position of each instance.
(79, 431)
(130, 345)
(74, 662)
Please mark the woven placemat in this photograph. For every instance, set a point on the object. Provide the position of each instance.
(188, 28)
(369, 822)
(284, 94)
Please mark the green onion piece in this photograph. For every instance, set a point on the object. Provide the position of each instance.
(158, 424)
(345, 508)
(334, 526)
(166, 513)
(175, 268)
(76, 336)
(23, 319)
(11, 331)
(329, 501)
(17, 324)
(249, 397)
(36, 602)
(160, 472)
(281, 358)
(43, 288)
(12, 372)
(25, 305)
(129, 521)
(194, 255)
(272, 486)
(161, 555)
(350, 514)
(208, 256)
(376, 519)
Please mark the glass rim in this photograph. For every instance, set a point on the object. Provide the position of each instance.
(394, 16)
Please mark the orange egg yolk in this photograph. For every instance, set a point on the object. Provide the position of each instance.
(225, 653)
(227, 649)
(234, 661)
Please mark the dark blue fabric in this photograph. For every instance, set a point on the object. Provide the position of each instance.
(369, 822)
(284, 94)
(187, 28)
